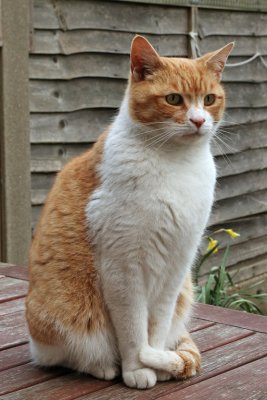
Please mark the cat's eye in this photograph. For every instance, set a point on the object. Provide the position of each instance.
(209, 99)
(174, 99)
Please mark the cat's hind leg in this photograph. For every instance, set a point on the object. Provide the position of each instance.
(47, 355)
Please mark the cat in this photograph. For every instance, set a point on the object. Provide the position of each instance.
(110, 283)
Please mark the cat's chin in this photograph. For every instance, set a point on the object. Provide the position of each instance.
(190, 138)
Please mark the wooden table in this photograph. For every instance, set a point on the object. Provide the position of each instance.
(233, 346)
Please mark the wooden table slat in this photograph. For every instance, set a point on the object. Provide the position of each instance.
(13, 330)
(216, 361)
(233, 346)
(231, 317)
(14, 271)
(12, 306)
(249, 381)
(26, 375)
(11, 288)
(14, 356)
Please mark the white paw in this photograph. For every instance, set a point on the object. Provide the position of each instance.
(163, 376)
(108, 373)
(143, 378)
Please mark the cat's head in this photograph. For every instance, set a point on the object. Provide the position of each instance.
(181, 95)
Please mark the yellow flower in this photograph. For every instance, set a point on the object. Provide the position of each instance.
(213, 245)
(231, 233)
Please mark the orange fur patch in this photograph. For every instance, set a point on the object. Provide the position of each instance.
(68, 290)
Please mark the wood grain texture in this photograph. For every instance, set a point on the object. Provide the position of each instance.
(14, 271)
(221, 315)
(239, 252)
(218, 335)
(249, 382)
(215, 362)
(12, 289)
(12, 306)
(101, 41)
(114, 42)
(14, 356)
(106, 66)
(240, 206)
(250, 227)
(75, 127)
(66, 387)
(13, 330)
(223, 22)
(232, 186)
(26, 375)
(78, 14)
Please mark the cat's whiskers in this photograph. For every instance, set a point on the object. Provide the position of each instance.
(161, 139)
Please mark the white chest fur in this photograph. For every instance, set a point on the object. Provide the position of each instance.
(152, 205)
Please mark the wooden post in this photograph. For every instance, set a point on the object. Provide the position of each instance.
(193, 28)
(15, 201)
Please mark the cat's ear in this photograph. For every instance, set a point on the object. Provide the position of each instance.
(144, 59)
(217, 60)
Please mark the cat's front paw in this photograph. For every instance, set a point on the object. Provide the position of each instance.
(143, 378)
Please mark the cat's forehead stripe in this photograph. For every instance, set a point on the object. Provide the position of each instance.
(188, 76)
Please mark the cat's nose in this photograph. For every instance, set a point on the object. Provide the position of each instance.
(197, 121)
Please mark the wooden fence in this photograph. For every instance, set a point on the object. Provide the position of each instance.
(79, 64)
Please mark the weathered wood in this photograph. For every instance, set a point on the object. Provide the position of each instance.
(106, 66)
(14, 271)
(11, 306)
(66, 387)
(215, 362)
(221, 315)
(239, 138)
(249, 269)
(76, 127)
(78, 14)
(58, 96)
(13, 330)
(15, 227)
(79, 65)
(100, 41)
(196, 324)
(25, 375)
(14, 356)
(249, 381)
(218, 335)
(240, 206)
(248, 228)
(236, 116)
(236, 185)
(218, 22)
(246, 94)
(239, 252)
(12, 289)
(244, 45)
(247, 160)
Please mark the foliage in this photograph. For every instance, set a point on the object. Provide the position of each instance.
(219, 288)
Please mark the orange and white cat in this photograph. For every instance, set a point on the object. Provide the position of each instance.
(110, 286)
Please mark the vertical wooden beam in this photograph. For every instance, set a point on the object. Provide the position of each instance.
(14, 139)
(193, 29)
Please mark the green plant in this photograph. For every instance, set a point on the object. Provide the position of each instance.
(219, 288)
